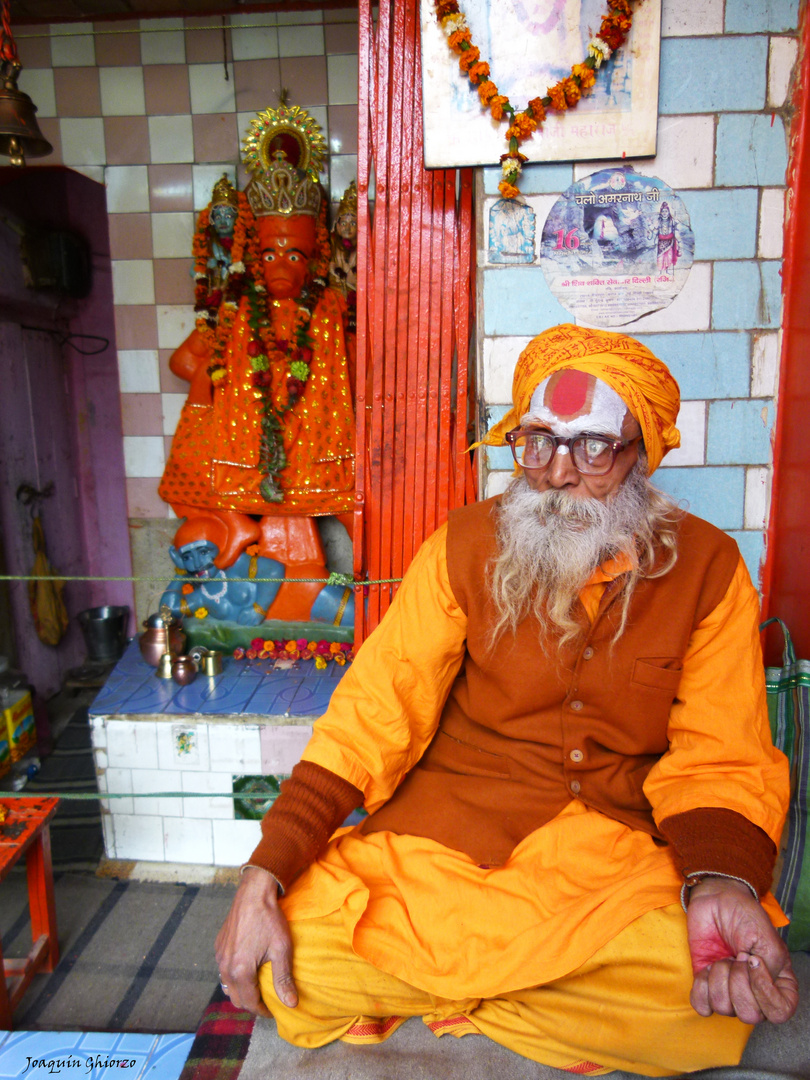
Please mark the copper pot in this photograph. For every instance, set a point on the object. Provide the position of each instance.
(161, 636)
(184, 670)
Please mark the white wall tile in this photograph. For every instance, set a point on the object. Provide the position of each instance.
(82, 140)
(682, 20)
(118, 782)
(301, 40)
(98, 732)
(215, 782)
(781, 59)
(145, 781)
(211, 92)
(101, 759)
(255, 36)
(173, 235)
(188, 841)
(163, 41)
(690, 310)
(108, 828)
(234, 841)
(171, 404)
(342, 170)
(684, 156)
(127, 189)
(342, 75)
(692, 426)
(282, 747)
(765, 352)
(133, 281)
(71, 45)
(771, 223)
(139, 837)
(499, 359)
(171, 139)
(757, 497)
(205, 176)
(294, 18)
(236, 748)
(144, 455)
(175, 323)
(183, 746)
(139, 371)
(122, 92)
(38, 83)
(497, 483)
(132, 740)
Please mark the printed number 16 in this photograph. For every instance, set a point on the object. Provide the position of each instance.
(569, 240)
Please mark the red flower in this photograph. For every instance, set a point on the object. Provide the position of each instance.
(261, 379)
(282, 344)
(257, 644)
(294, 387)
(214, 298)
(254, 348)
(307, 354)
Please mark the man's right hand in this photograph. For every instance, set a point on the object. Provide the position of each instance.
(255, 932)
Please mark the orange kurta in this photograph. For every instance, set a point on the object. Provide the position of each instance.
(214, 457)
(433, 918)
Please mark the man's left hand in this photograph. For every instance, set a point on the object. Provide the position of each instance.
(742, 967)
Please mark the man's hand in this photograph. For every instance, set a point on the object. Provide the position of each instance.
(742, 967)
(255, 932)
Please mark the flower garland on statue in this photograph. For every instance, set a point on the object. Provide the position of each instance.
(564, 95)
(297, 649)
(266, 351)
(216, 310)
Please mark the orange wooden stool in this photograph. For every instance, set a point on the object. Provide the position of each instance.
(25, 830)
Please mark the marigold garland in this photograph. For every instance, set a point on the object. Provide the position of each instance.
(322, 652)
(564, 95)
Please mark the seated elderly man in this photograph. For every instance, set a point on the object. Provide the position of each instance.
(560, 735)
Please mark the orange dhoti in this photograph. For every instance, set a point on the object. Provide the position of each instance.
(214, 459)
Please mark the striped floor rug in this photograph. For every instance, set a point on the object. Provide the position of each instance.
(77, 842)
(136, 956)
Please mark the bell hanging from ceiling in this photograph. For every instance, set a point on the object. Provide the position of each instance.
(20, 136)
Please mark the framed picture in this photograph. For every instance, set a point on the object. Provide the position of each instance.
(531, 45)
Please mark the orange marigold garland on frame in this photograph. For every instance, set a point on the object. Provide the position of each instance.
(564, 95)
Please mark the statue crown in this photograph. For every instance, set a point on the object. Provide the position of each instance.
(283, 190)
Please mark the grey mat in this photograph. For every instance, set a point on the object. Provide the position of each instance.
(136, 956)
(414, 1053)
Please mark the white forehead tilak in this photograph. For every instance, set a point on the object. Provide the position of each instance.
(570, 402)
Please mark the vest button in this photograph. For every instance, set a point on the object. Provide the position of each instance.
(575, 786)
(587, 653)
(577, 755)
(576, 705)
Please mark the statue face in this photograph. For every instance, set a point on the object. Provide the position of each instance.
(346, 226)
(197, 556)
(287, 245)
(223, 218)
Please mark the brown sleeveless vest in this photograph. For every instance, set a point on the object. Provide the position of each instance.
(525, 730)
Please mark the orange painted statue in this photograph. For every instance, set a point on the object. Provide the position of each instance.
(268, 425)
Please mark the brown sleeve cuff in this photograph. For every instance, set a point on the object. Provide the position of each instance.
(716, 841)
(313, 803)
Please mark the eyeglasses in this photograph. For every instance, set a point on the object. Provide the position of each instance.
(593, 455)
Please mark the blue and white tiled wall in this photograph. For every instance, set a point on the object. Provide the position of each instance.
(726, 71)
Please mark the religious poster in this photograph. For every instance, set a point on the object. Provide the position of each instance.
(616, 246)
(531, 45)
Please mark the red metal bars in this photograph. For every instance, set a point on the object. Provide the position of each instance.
(415, 280)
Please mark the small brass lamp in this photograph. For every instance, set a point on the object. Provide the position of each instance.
(20, 136)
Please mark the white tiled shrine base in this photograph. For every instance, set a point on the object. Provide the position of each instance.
(173, 781)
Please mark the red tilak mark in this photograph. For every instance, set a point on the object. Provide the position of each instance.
(568, 393)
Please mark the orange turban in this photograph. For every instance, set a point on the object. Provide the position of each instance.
(640, 379)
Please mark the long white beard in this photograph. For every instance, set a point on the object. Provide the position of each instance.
(550, 543)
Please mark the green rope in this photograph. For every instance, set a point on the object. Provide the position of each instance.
(78, 795)
(333, 579)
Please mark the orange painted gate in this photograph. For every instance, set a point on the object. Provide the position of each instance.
(414, 323)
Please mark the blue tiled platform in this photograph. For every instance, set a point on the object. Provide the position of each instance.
(245, 688)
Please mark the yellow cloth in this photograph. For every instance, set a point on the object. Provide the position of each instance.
(627, 1007)
(640, 379)
(429, 915)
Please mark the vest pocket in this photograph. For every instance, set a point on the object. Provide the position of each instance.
(658, 673)
(449, 754)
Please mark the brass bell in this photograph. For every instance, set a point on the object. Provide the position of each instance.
(20, 136)
(164, 668)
